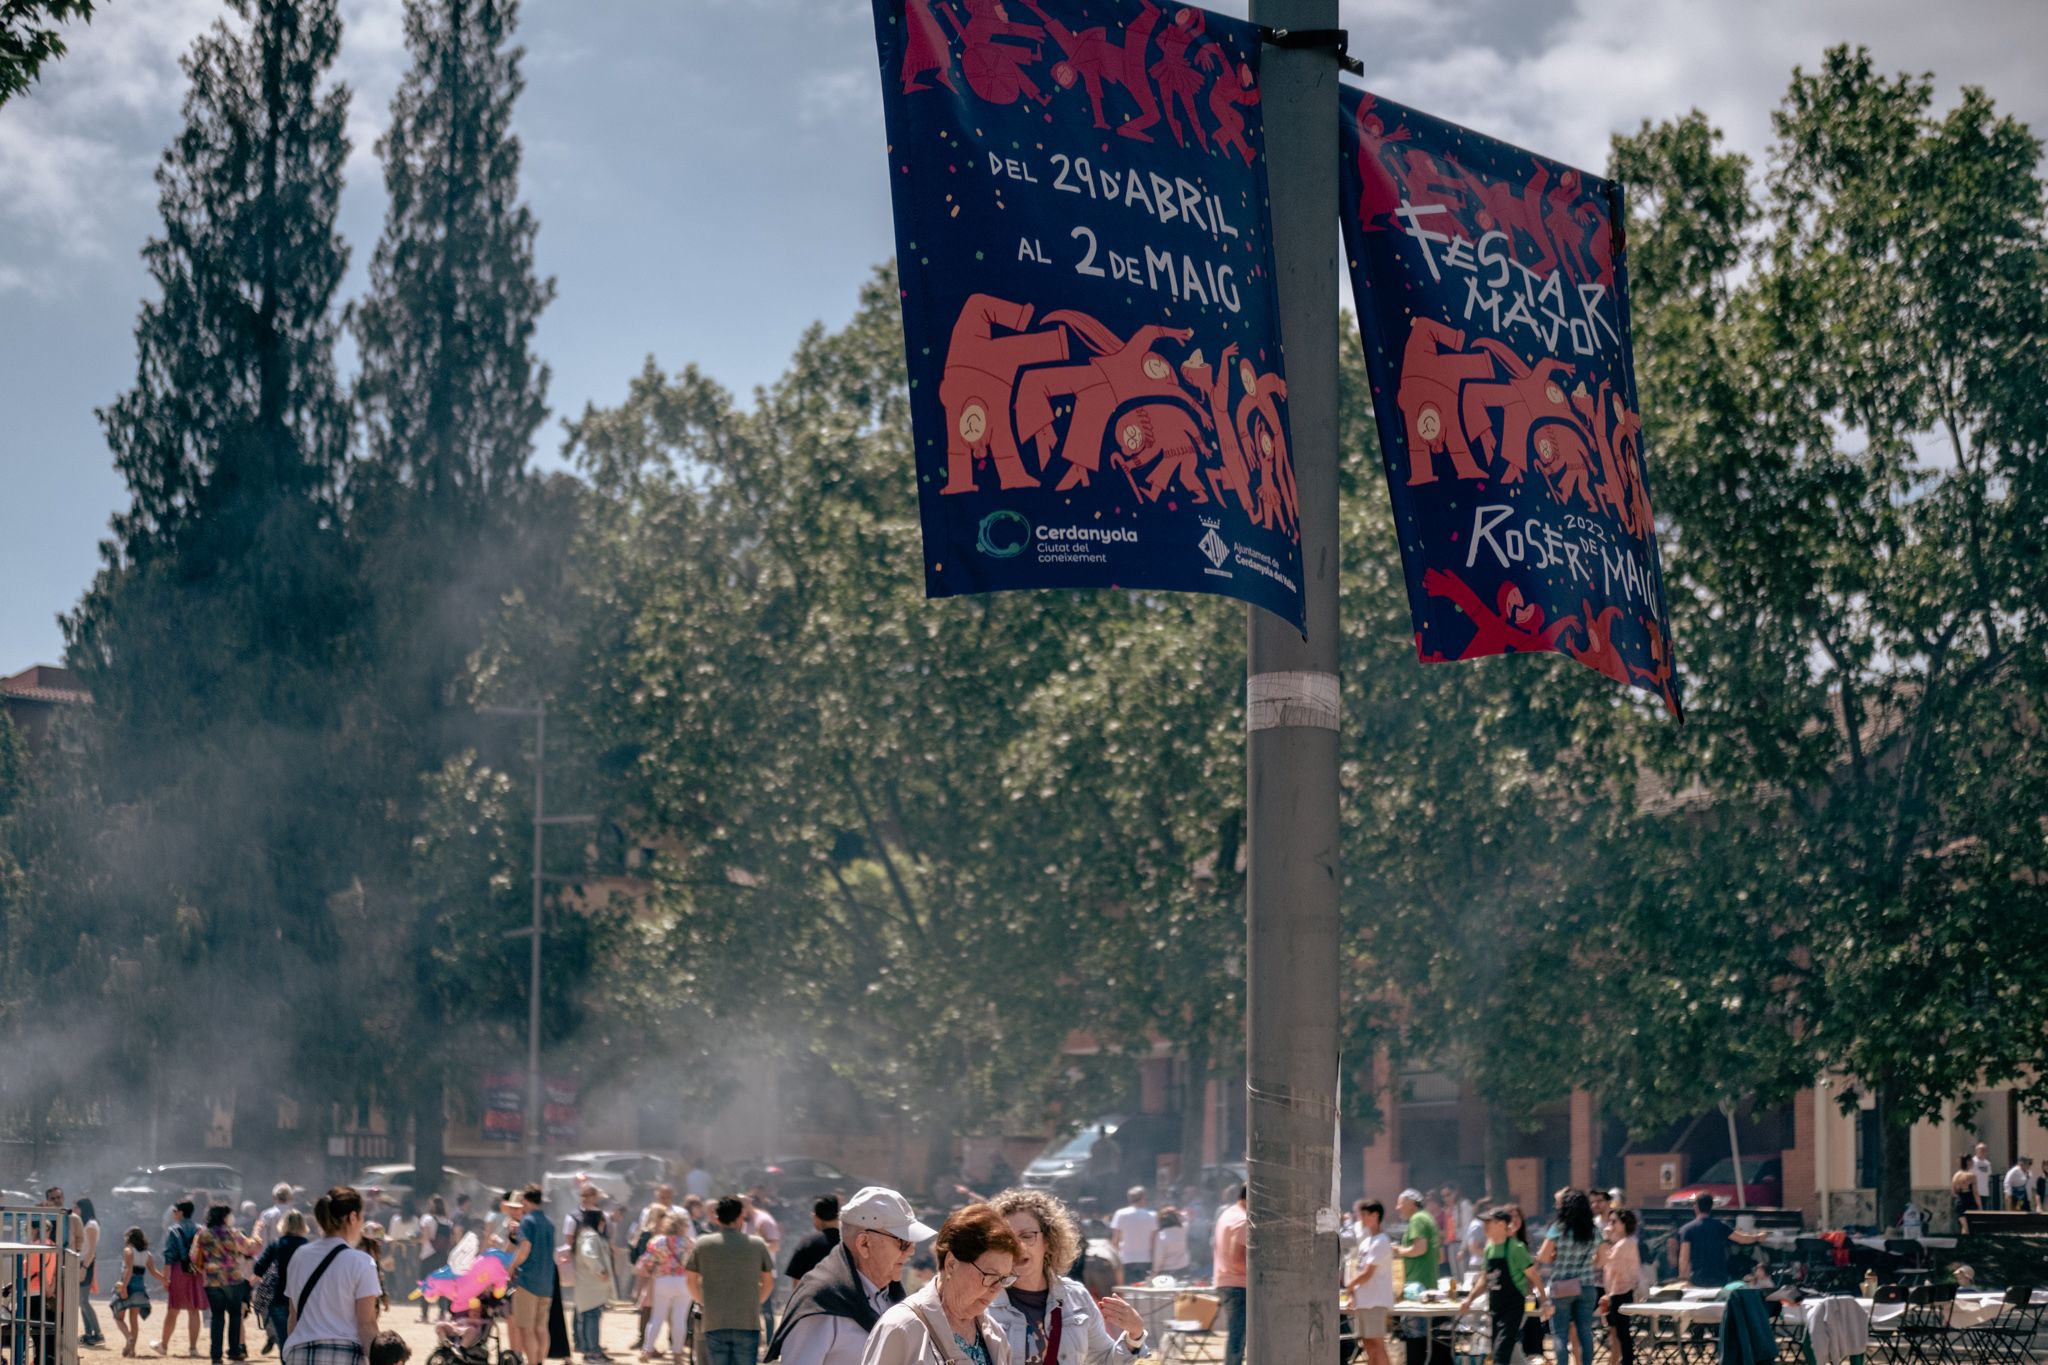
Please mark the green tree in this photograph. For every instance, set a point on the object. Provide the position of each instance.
(213, 633)
(1850, 462)
(818, 749)
(28, 39)
(450, 397)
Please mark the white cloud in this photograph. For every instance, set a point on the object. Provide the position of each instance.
(76, 152)
(829, 96)
(1606, 65)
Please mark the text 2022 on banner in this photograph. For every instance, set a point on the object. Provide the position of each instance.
(1492, 294)
(1097, 392)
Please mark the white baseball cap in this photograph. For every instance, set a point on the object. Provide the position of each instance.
(876, 1208)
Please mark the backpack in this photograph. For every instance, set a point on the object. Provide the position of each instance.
(444, 1236)
(178, 1249)
(267, 1290)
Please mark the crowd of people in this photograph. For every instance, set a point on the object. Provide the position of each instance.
(1976, 1186)
(1014, 1278)
(1543, 1287)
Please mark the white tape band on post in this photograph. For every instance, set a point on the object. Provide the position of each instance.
(1275, 701)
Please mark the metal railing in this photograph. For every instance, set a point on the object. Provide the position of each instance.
(39, 1286)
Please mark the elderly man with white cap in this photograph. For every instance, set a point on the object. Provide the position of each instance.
(835, 1306)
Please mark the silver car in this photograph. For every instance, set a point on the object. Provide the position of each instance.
(145, 1193)
(627, 1178)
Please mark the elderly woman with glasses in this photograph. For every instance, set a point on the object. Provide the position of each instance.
(947, 1321)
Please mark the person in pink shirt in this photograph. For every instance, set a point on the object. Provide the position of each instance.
(1231, 1242)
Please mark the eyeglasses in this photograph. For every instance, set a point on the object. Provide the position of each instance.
(901, 1245)
(989, 1281)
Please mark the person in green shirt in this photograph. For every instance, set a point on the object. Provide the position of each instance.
(1509, 1276)
(1422, 1253)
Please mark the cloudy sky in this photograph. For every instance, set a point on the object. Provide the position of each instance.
(708, 177)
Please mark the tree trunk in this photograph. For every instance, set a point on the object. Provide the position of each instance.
(1895, 1158)
(1499, 1136)
(1194, 1113)
(429, 1131)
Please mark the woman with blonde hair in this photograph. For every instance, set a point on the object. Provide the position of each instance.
(1048, 1318)
(947, 1321)
(668, 1287)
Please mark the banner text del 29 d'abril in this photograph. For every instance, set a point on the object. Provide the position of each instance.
(1097, 389)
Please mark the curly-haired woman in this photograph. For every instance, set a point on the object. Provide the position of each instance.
(1048, 1318)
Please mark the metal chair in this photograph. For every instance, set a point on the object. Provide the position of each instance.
(2008, 1339)
(1928, 1327)
(1191, 1330)
(1909, 1257)
(1886, 1341)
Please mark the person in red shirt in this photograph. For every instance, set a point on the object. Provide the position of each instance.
(1231, 1242)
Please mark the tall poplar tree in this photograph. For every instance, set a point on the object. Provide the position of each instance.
(213, 633)
(450, 397)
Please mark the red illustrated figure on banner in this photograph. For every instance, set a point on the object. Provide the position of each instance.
(925, 48)
(1232, 476)
(980, 378)
(1658, 678)
(1092, 59)
(1503, 208)
(995, 68)
(1378, 174)
(1166, 432)
(1434, 366)
(1259, 432)
(1526, 397)
(1179, 81)
(1566, 464)
(1516, 627)
(1426, 185)
(1600, 655)
(1226, 97)
(1122, 372)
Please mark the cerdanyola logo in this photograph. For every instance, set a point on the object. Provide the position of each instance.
(1004, 534)
(1212, 544)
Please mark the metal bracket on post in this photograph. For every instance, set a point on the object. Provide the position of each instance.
(1336, 40)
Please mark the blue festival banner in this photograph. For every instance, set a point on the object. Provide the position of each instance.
(1492, 291)
(1096, 387)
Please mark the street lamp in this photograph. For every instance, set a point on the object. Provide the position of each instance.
(538, 713)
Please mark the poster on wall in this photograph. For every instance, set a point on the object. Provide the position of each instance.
(1492, 292)
(1097, 389)
(504, 1106)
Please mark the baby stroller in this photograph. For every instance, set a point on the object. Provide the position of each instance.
(471, 1337)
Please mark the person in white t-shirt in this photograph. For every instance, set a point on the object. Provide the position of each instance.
(1171, 1256)
(332, 1288)
(1134, 1236)
(1370, 1280)
(270, 1223)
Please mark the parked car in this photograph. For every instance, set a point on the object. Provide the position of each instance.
(796, 1181)
(144, 1194)
(396, 1182)
(1215, 1180)
(1106, 1157)
(627, 1177)
(1763, 1185)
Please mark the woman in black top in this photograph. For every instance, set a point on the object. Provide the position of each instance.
(279, 1254)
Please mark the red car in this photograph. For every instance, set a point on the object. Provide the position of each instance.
(1762, 1186)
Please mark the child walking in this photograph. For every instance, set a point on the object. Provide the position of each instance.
(131, 1293)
